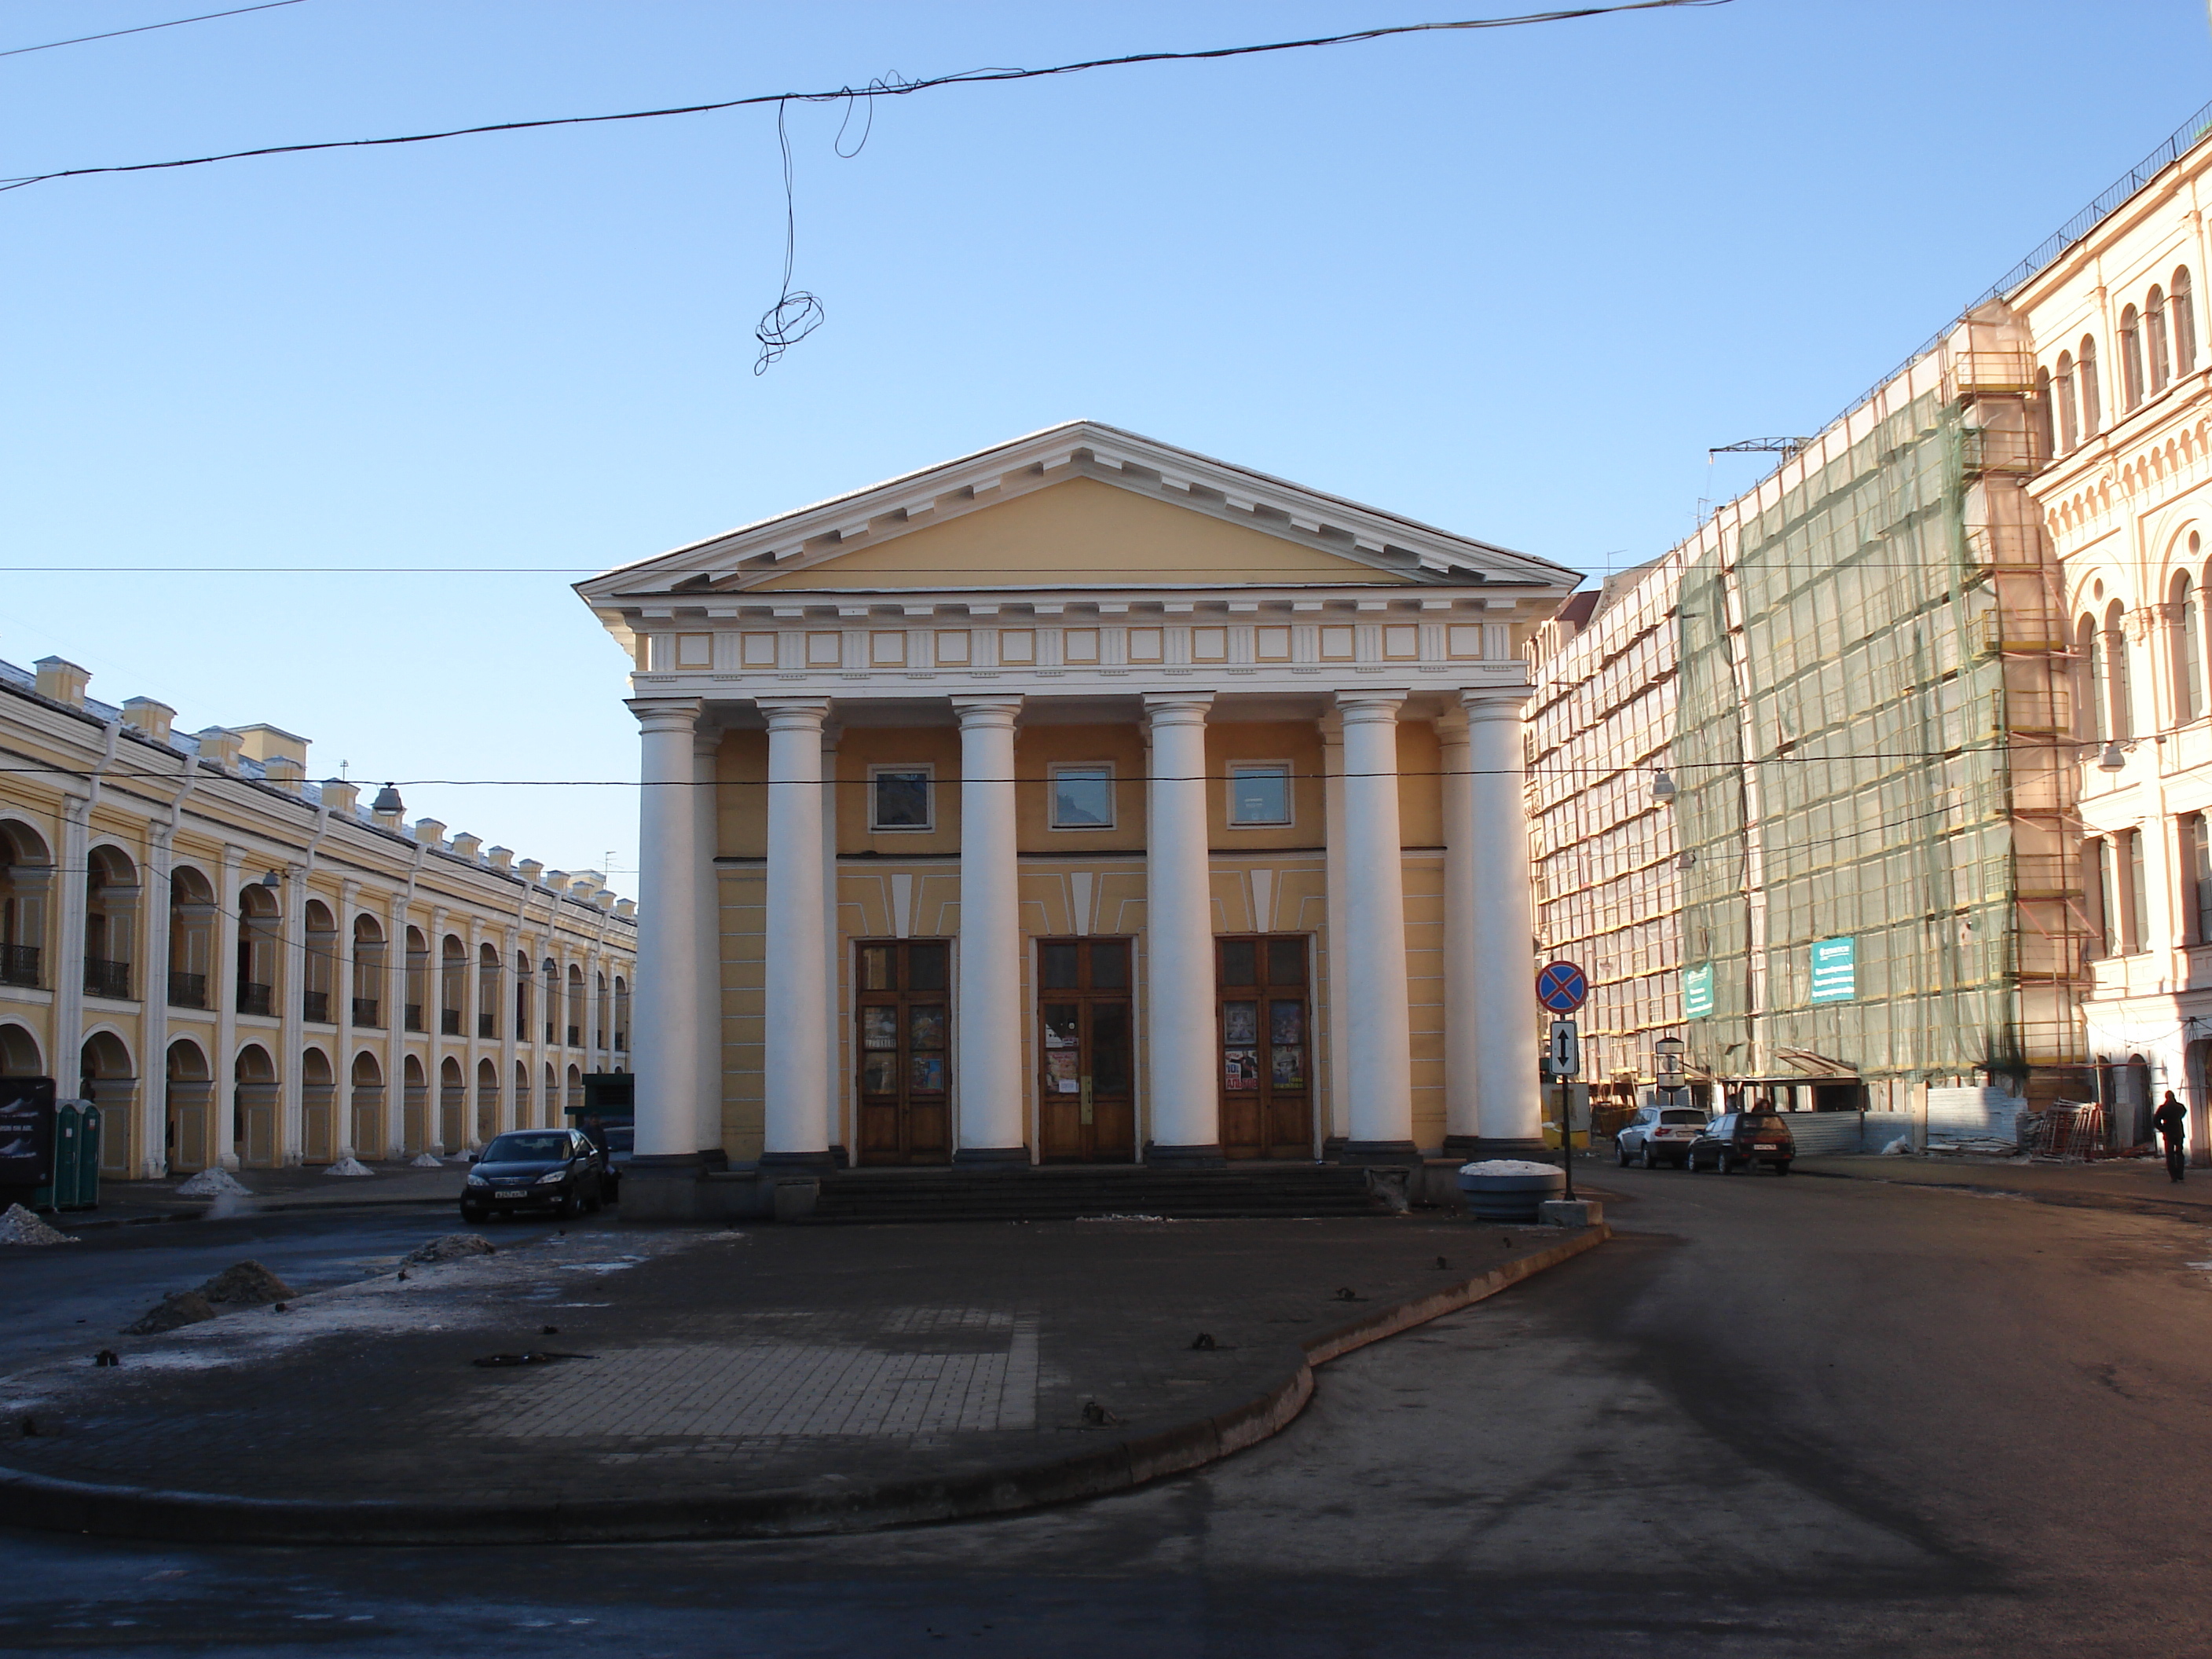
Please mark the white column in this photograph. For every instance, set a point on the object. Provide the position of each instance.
(291, 1011)
(154, 1002)
(706, 807)
(1462, 875)
(1371, 967)
(1340, 1068)
(833, 953)
(1180, 1086)
(668, 920)
(987, 1055)
(222, 977)
(796, 1081)
(1501, 999)
(395, 1028)
(71, 896)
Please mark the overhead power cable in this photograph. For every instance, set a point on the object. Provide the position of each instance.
(148, 28)
(884, 88)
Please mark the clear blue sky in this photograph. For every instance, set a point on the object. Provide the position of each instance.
(1514, 284)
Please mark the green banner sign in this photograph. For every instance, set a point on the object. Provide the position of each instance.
(1835, 969)
(1697, 991)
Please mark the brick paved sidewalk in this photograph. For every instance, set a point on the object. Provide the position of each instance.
(770, 1380)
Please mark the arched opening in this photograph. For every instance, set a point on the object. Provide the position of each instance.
(551, 1107)
(187, 1109)
(254, 1108)
(2186, 645)
(109, 1080)
(369, 964)
(452, 989)
(2093, 405)
(2046, 438)
(575, 1020)
(2119, 681)
(487, 996)
(320, 965)
(2155, 336)
(414, 1109)
(2069, 407)
(522, 1118)
(601, 1008)
(2181, 310)
(111, 922)
(574, 1103)
(192, 937)
(487, 1103)
(2090, 707)
(19, 1053)
(27, 873)
(522, 997)
(318, 1108)
(452, 1107)
(622, 1015)
(551, 975)
(259, 937)
(418, 979)
(2132, 358)
(366, 1133)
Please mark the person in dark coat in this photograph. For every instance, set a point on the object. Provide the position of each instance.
(2170, 1120)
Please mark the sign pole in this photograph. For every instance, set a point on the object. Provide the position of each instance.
(1562, 987)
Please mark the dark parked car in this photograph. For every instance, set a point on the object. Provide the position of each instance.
(534, 1169)
(1739, 1140)
(1656, 1135)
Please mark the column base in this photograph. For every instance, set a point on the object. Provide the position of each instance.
(1473, 1149)
(1184, 1157)
(824, 1159)
(991, 1157)
(663, 1188)
(1372, 1153)
(713, 1157)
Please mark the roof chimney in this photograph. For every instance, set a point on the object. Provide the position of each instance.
(528, 869)
(285, 773)
(626, 907)
(500, 858)
(341, 797)
(431, 832)
(219, 746)
(469, 847)
(62, 680)
(149, 719)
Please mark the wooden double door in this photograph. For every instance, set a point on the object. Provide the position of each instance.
(1263, 1020)
(1086, 1102)
(904, 1013)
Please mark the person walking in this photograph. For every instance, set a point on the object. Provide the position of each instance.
(2171, 1118)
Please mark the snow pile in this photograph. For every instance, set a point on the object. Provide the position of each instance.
(1508, 1166)
(20, 1226)
(212, 1184)
(426, 1161)
(246, 1284)
(1899, 1147)
(349, 1166)
(453, 1248)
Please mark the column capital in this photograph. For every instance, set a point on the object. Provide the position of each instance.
(705, 740)
(794, 713)
(1001, 709)
(1451, 726)
(666, 713)
(1495, 702)
(1178, 708)
(1364, 705)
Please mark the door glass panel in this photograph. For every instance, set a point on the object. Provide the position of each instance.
(1286, 1023)
(925, 966)
(879, 1027)
(1238, 966)
(1110, 965)
(928, 1073)
(1286, 962)
(878, 968)
(1240, 1022)
(1061, 1025)
(1060, 1075)
(1110, 1047)
(926, 1026)
(1056, 962)
(879, 1072)
(1287, 1068)
(1240, 1069)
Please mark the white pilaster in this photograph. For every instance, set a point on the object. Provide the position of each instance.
(1339, 1064)
(71, 896)
(222, 1065)
(668, 918)
(1462, 875)
(1500, 1002)
(833, 952)
(153, 999)
(987, 1056)
(797, 1083)
(705, 807)
(291, 1012)
(1181, 1087)
(1370, 970)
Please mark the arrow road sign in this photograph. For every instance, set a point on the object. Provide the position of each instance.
(1562, 987)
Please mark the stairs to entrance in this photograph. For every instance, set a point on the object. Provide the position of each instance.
(1070, 1194)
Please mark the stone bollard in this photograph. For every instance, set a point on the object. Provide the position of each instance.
(1563, 1212)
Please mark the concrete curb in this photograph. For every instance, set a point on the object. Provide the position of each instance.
(52, 1505)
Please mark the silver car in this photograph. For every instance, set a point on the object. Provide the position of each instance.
(1658, 1134)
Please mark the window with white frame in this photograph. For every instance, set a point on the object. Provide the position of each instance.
(901, 797)
(1083, 797)
(1259, 794)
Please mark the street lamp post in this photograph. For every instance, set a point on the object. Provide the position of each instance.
(1667, 1067)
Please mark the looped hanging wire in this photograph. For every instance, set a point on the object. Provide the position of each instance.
(796, 313)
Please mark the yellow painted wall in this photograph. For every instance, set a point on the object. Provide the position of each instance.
(1038, 748)
(1085, 530)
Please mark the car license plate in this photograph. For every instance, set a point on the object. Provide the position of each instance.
(1770, 1145)
(508, 1192)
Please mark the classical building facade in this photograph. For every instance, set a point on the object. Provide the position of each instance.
(1081, 800)
(244, 968)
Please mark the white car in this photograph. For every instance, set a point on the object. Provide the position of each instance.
(1658, 1134)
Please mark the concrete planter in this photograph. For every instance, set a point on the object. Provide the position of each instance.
(1508, 1190)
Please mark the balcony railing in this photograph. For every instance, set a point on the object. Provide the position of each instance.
(19, 964)
(255, 999)
(575, 1036)
(414, 1017)
(106, 979)
(449, 1022)
(487, 1026)
(315, 1007)
(187, 990)
(367, 1011)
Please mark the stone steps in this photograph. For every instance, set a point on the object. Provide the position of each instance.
(1062, 1195)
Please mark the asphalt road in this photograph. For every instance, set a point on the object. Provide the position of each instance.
(1773, 1418)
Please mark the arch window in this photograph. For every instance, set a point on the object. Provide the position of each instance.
(2090, 707)
(26, 870)
(2093, 406)
(552, 976)
(369, 962)
(2186, 647)
(453, 993)
(414, 1108)
(418, 980)
(365, 1108)
(259, 938)
(2046, 439)
(575, 1019)
(319, 963)
(622, 1015)
(452, 1105)
(191, 938)
(599, 1012)
(2119, 681)
(2160, 347)
(522, 1094)
(522, 997)
(575, 1101)
(2131, 357)
(2181, 313)
(187, 1108)
(254, 1107)
(2070, 406)
(488, 997)
(19, 1053)
(318, 1097)
(111, 922)
(486, 1102)
(110, 1082)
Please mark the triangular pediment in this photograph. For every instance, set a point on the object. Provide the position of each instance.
(1078, 506)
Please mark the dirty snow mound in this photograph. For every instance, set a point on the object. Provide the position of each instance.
(246, 1284)
(212, 1184)
(426, 1161)
(349, 1166)
(1899, 1147)
(1508, 1166)
(177, 1309)
(453, 1247)
(20, 1226)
